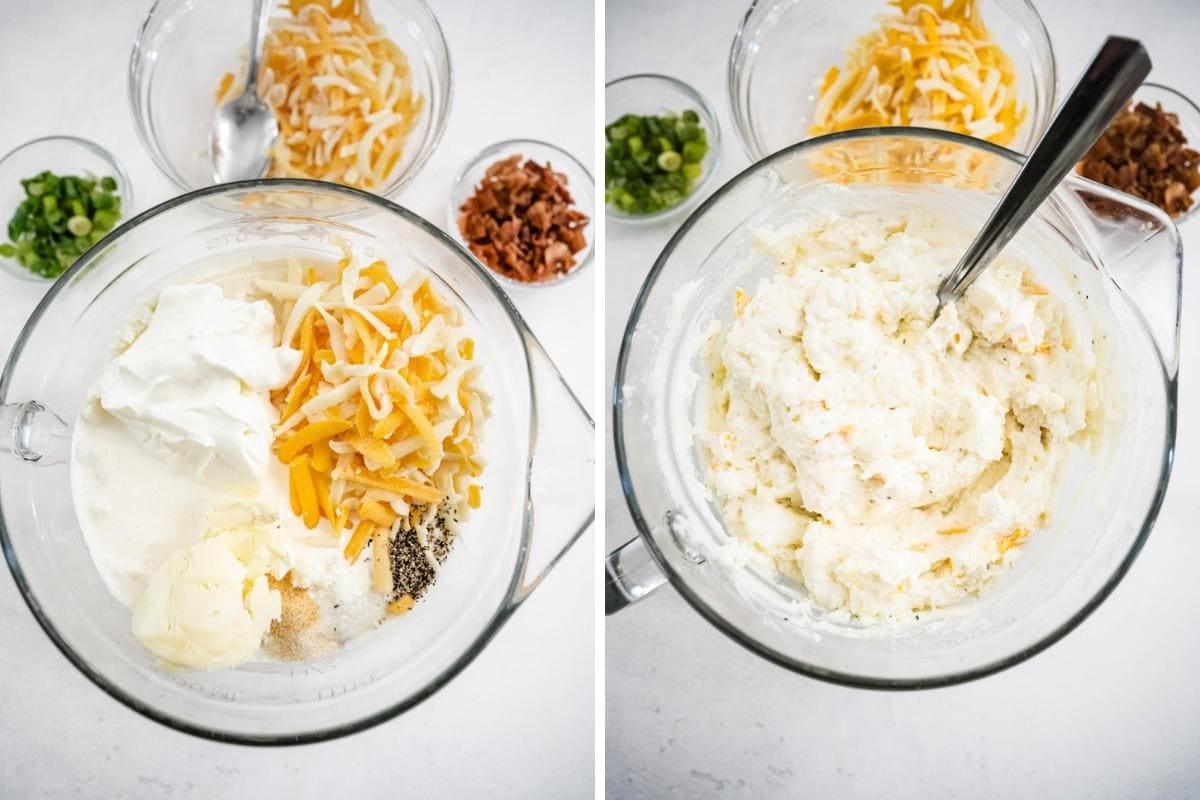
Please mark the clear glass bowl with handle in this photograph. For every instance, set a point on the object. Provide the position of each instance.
(183, 48)
(1119, 260)
(539, 442)
(783, 48)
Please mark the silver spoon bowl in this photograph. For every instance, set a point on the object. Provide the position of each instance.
(244, 129)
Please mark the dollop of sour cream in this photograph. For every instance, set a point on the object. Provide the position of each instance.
(191, 387)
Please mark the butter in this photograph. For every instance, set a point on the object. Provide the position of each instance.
(210, 604)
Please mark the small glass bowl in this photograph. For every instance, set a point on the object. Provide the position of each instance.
(62, 155)
(647, 94)
(1174, 102)
(579, 183)
(783, 48)
(184, 47)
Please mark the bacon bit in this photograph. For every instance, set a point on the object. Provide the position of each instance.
(521, 221)
(1143, 152)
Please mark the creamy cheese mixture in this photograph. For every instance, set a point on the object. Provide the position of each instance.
(183, 507)
(889, 463)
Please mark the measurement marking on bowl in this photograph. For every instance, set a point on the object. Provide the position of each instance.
(211, 692)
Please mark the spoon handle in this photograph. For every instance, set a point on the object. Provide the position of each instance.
(1101, 92)
(258, 34)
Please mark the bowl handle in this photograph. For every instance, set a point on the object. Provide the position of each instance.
(33, 433)
(561, 503)
(1141, 250)
(629, 575)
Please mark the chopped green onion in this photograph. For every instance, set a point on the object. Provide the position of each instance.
(59, 219)
(652, 163)
(669, 161)
(79, 225)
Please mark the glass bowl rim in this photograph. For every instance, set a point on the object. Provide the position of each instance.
(389, 190)
(734, 67)
(490, 151)
(714, 145)
(124, 185)
(512, 596)
(841, 678)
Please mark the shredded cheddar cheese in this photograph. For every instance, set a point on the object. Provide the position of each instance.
(1014, 539)
(381, 418)
(340, 90)
(932, 64)
(400, 605)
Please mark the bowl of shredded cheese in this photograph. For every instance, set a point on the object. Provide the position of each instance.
(361, 89)
(801, 68)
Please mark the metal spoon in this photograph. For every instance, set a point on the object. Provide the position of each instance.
(244, 129)
(1102, 91)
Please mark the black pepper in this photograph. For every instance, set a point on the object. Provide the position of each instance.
(412, 574)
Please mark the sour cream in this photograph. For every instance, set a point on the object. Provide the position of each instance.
(190, 389)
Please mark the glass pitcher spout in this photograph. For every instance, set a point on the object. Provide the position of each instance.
(33, 433)
(1141, 250)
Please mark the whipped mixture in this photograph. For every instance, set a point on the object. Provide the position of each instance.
(183, 507)
(889, 463)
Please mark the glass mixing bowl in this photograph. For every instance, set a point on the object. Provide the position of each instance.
(783, 48)
(184, 47)
(539, 443)
(1112, 257)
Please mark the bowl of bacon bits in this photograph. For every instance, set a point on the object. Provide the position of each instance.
(1151, 150)
(524, 209)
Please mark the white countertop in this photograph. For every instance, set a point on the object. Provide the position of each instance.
(1112, 711)
(519, 721)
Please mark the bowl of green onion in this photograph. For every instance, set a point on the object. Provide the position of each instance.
(59, 196)
(661, 145)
